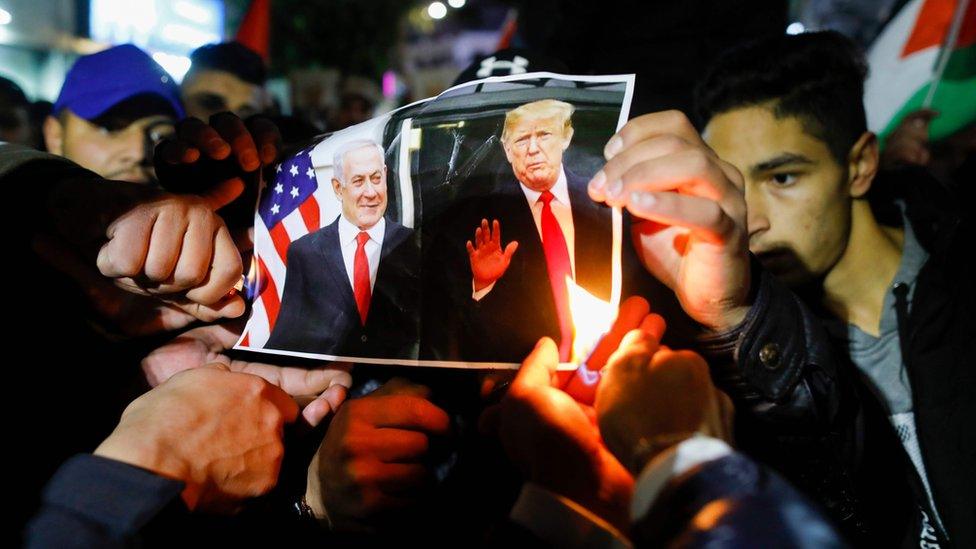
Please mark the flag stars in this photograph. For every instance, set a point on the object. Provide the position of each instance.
(279, 188)
(275, 209)
(278, 168)
(294, 170)
(294, 192)
(310, 173)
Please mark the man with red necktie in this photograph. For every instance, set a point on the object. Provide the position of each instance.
(351, 286)
(555, 236)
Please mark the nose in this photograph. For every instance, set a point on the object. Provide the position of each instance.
(757, 221)
(369, 190)
(533, 145)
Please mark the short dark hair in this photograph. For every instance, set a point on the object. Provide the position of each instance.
(817, 77)
(232, 57)
(11, 99)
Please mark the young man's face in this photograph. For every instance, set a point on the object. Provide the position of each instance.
(118, 154)
(534, 147)
(208, 92)
(796, 192)
(363, 189)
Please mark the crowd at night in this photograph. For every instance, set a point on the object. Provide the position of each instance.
(677, 274)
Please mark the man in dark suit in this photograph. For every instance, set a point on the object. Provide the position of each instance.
(558, 235)
(351, 286)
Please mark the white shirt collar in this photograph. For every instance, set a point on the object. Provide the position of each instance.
(560, 190)
(348, 232)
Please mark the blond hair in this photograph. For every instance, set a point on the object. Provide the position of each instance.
(545, 108)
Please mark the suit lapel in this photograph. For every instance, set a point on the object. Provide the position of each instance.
(593, 238)
(330, 249)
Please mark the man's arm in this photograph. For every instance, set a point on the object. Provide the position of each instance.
(701, 492)
(98, 502)
(799, 409)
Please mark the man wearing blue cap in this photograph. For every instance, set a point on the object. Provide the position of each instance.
(114, 107)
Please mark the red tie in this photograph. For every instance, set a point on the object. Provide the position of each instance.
(360, 277)
(557, 261)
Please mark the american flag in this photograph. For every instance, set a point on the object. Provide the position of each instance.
(287, 210)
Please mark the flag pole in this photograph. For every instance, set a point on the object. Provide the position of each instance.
(950, 43)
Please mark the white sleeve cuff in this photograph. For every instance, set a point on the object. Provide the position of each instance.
(478, 294)
(668, 464)
(561, 522)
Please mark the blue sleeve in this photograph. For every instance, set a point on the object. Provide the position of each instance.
(733, 502)
(97, 502)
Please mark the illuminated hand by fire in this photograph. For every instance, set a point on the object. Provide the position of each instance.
(488, 260)
(651, 398)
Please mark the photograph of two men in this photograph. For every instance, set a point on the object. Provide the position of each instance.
(452, 232)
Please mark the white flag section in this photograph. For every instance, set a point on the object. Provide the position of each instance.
(924, 58)
(894, 79)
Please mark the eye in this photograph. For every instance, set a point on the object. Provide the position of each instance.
(784, 179)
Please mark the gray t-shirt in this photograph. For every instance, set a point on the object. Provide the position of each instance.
(879, 358)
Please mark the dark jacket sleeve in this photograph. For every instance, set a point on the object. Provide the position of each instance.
(732, 502)
(97, 502)
(800, 410)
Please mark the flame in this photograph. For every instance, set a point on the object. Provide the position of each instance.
(592, 318)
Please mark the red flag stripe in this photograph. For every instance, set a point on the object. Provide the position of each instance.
(281, 240)
(269, 295)
(310, 213)
(932, 25)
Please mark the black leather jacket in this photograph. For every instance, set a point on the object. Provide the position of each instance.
(803, 409)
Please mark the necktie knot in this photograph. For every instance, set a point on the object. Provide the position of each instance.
(546, 197)
(362, 238)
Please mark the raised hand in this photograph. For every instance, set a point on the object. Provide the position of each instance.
(489, 260)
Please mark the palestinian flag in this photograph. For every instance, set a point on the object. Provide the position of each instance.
(928, 43)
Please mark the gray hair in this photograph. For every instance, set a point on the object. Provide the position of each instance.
(351, 146)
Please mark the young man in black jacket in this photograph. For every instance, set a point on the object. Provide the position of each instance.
(884, 268)
(786, 132)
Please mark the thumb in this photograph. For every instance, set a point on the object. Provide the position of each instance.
(224, 193)
(539, 367)
(510, 249)
(324, 406)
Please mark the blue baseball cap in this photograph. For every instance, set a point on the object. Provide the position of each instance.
(99, 81)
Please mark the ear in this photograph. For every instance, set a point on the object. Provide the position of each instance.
(862, 164)
(53, 136)
(337, 188)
